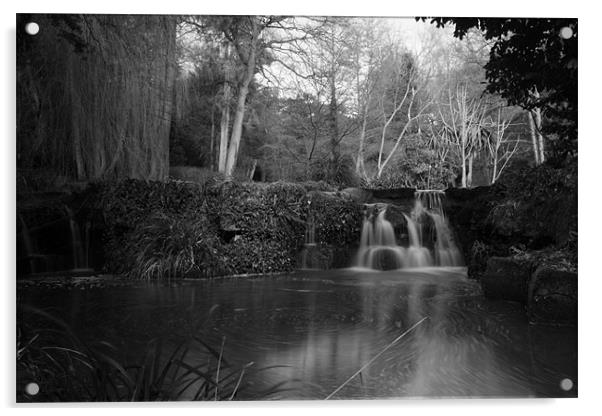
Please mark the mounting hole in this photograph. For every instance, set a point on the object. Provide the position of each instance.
(32, 28)
(566, 32)
(566, 384)
(32, 389)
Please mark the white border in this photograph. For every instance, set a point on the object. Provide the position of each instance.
(590, 153)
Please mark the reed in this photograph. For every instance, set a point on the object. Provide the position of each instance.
(68, 369)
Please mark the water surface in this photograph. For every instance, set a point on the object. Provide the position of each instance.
(325, 325)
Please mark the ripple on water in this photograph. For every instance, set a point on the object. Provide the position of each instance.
(323, 326)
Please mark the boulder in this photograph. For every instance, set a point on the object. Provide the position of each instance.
(395, 215)
(507, 278)
(552, 296)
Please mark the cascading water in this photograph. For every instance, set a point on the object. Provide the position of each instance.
(309, 251)
(429, 238)
(429, 205)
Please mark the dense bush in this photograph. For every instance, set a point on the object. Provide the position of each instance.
(129, 207)
(338, 220)
(179, 229)
(262, 225)
(530, 210)
(173, 247)
(540, 204)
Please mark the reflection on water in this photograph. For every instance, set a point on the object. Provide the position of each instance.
(324, 326)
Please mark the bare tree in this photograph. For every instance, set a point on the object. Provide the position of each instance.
(463, 117)
(439, 142)
(500, 147)
(399, 101)
(225, 104)
(366, 48)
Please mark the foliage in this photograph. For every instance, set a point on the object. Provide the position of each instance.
(530, 210)
(127, 209)
(339, 172)
(338, 221)
(416, 167)
(176, 229)
(131, 201)
(70, 369)
(533, 66)
(173, 246)
(541, 202)
(159, 230)
(266, 222)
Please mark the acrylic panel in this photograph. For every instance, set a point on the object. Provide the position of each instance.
(295, 208)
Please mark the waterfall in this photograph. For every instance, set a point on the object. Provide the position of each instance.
(310, 253)
(429, 237)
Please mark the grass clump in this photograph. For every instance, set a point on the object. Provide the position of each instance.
(68, 369)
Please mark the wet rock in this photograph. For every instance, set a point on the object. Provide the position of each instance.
(507, 278)
(395, 215)
(553, 296)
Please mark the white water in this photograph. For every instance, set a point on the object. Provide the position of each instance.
(429, 238)
(310, 252)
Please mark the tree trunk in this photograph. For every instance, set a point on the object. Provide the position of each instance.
(463, 153)
(538, 126)
(359, 163)
(212, 143)
(240, 106)
(534, 139)
(469, 175)
(170, 93)
(236, 130)
(494, 174)
(252, 169)
(332, 117)
(225, 120)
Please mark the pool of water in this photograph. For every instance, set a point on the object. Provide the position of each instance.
(321, 327)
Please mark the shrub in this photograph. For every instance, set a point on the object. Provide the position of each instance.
(268, 222)
(173, 247)
(129, 207)
(540, 203)
(178, 229)
(338, 221)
